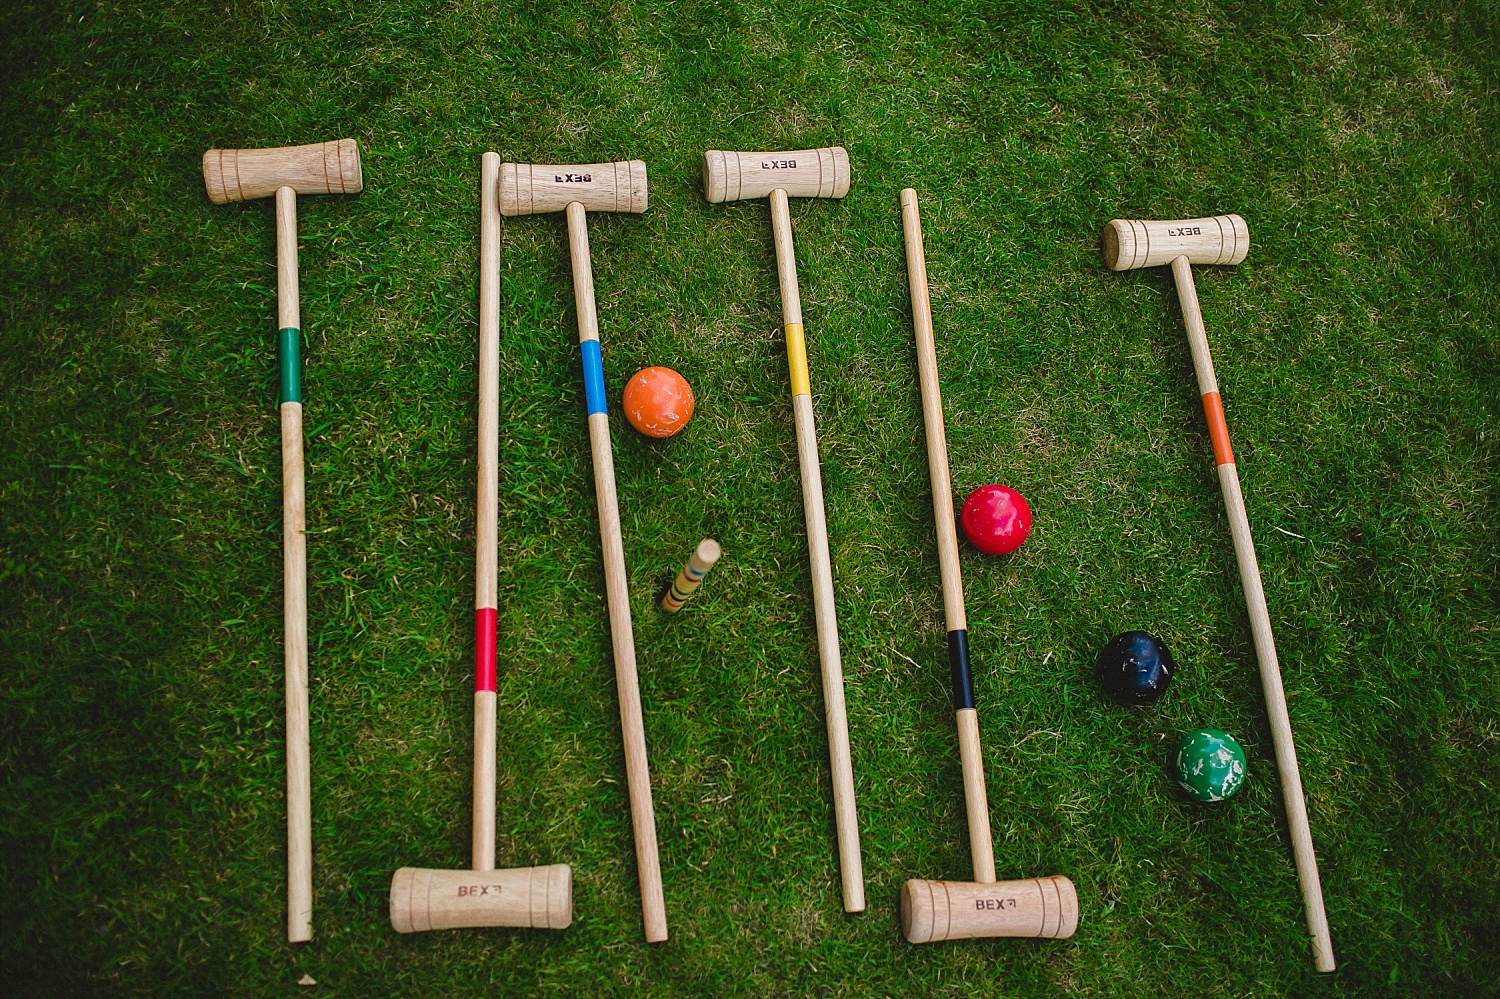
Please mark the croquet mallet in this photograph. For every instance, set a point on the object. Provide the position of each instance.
(1224, 239)
(954, 910)
(242, 175)
(805, 173)
(538, 897)
(531, 189)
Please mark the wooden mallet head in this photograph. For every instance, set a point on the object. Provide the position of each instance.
(1130, 244)
(536, 897)
(316, 168)
(802, 173)
(535, 188)
(1044, 908)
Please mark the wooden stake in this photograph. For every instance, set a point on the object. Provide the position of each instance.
(691, 577)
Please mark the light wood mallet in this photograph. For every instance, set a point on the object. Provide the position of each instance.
(538, 897)
(984, 907)
(242, 175)
(1224, 239)
(805, 173)
(530, 189)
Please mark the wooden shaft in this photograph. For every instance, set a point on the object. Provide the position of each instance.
(1260, 624)
(958, 910)
(299, 897)
(801, 173)
(316, 168)
(851, 866)
(486, 545)
(976, 803)
(538, 897)
(482, 829)
(1129, 244)
(932, 415)
(632, 725)
(691, 576)
(534, 188)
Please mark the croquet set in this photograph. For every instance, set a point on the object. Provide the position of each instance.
(1134, 668)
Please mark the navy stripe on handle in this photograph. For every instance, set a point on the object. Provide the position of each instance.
(593, 377)
(958, 666)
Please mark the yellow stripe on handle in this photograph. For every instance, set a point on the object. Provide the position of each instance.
(796, 359)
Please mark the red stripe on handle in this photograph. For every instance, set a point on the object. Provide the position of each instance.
(1218, 431)
(484, 649)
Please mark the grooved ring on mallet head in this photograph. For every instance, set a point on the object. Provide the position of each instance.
(535, 188)
(802, 173)
(316, 168)
(1130, 244)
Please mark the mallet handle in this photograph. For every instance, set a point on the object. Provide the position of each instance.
(299, 898)
(1260, 622)
(851, 867)
(632, 725)
(486, 545)
(976, 802)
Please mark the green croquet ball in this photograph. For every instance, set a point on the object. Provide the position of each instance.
(1210, 764)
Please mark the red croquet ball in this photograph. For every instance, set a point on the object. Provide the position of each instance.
(658, 401)
(996, 519)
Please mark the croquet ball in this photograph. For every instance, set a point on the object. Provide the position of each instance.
(658, 401)
(1210, 765)
(996, 519)
(1135, 667)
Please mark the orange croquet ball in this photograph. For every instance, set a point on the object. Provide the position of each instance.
(658, 401)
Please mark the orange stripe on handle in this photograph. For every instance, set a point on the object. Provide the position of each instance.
(1218, 431)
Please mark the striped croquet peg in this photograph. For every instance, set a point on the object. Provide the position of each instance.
(691, 576)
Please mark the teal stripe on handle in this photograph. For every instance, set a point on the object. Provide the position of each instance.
(291, 365)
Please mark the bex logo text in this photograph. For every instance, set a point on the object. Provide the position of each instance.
(778, 164)
(464, 890)
(573, 178)
(1187, 230)
(994, 903)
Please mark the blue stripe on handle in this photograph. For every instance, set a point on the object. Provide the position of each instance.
(593, 377)
(958, 667)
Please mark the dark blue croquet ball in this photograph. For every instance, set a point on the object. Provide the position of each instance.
(1135, 667)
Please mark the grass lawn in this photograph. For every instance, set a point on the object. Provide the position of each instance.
(141, 757)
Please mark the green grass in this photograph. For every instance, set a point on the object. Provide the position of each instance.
(141, 816)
